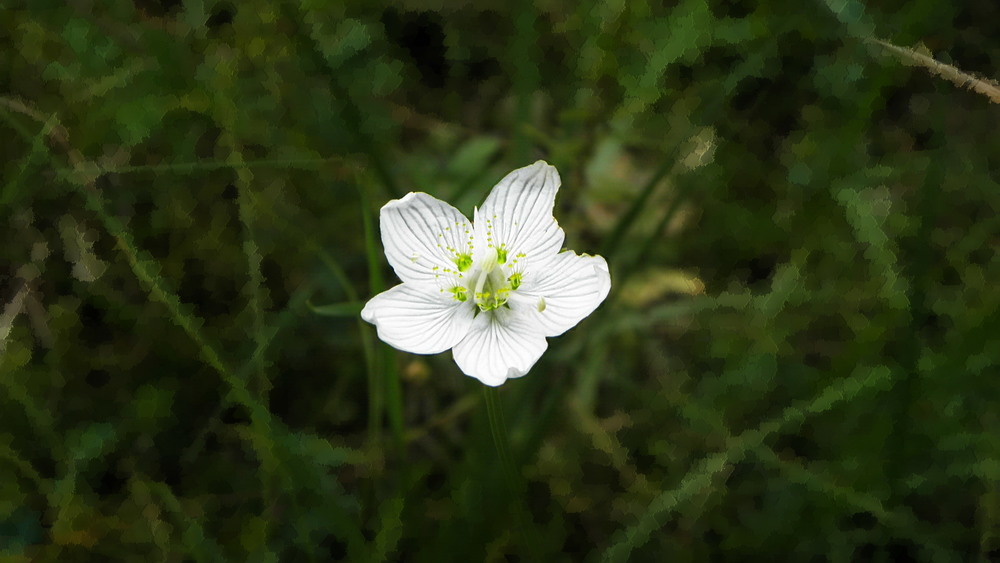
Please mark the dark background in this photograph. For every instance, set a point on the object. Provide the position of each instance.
(798, 359)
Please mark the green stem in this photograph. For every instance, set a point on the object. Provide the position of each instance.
(525, 75)
(209, 165)
(918, 253)
(362, 136)
(626, 221)
(655, 236)
(376, 400)
(512, 476)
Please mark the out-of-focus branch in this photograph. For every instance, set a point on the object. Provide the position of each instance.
(983, 86)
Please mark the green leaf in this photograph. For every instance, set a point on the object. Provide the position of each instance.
(342, 310)
(92, 441)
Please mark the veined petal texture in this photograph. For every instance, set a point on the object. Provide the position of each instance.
(565, 290)
(423, 237)
(499, 346)
(418, 319)
(517, 215)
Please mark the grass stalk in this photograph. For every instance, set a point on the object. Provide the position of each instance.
(511, 472)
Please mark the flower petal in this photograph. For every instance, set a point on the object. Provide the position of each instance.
(500, 345)
(517, 215)
(417, 319)
(423, 237)
(571, 286)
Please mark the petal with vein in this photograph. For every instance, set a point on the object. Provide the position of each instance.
(418, 320)
(519, 212)
(500, 345)
(421, 233)
(572, 287)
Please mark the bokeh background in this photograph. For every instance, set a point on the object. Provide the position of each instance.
(798, 359)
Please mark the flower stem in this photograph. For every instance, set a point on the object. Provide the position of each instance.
(512, 477)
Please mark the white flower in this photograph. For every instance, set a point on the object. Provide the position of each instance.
(493, 289)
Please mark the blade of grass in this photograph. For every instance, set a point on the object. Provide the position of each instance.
(283, 320)
(12, 189)
(511, 472)
(689, 29)
(256, 377)
(705, 471)
(684, 191)
(372, 361)
(254, 287)
(210, 165)
(41, 418)
(625, 323)
(10, 312)
(291, 312)
(626, 221)
(853, 15)
(350, 309)
(146, 269)
(869, 230)
(988, 505)
(299, 235)
(456, 411)
(198, 544)
(610, 446)
(592, 371)
(384, 383)
(312, 51)
(390, 528)
(24, 466)
(918, 252)
(525, 75)
(901, 520)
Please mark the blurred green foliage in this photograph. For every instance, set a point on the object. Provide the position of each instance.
(798, 360)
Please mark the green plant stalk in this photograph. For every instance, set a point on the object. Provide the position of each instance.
(146, 271)
(638, 204)
(385, 391)
(356, 124)
(512, 476)
(255, 287)
(702, 475)
(259, 384)
(525, 75)
(376, 400)
(12, 188)
(981, 86)
(683, 194)
(902, 520)
(210, 165)
(902, 453)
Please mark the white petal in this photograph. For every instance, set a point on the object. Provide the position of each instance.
(423, 236)
(418, 319)
(518, 213)
(501, 344)
(571, 286)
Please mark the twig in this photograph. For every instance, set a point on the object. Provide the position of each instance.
(9, 313)
(983, 86)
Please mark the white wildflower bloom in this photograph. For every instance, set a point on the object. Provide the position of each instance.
(493, 289)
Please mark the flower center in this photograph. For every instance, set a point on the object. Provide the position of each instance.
(486, 279)
(490, 286)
